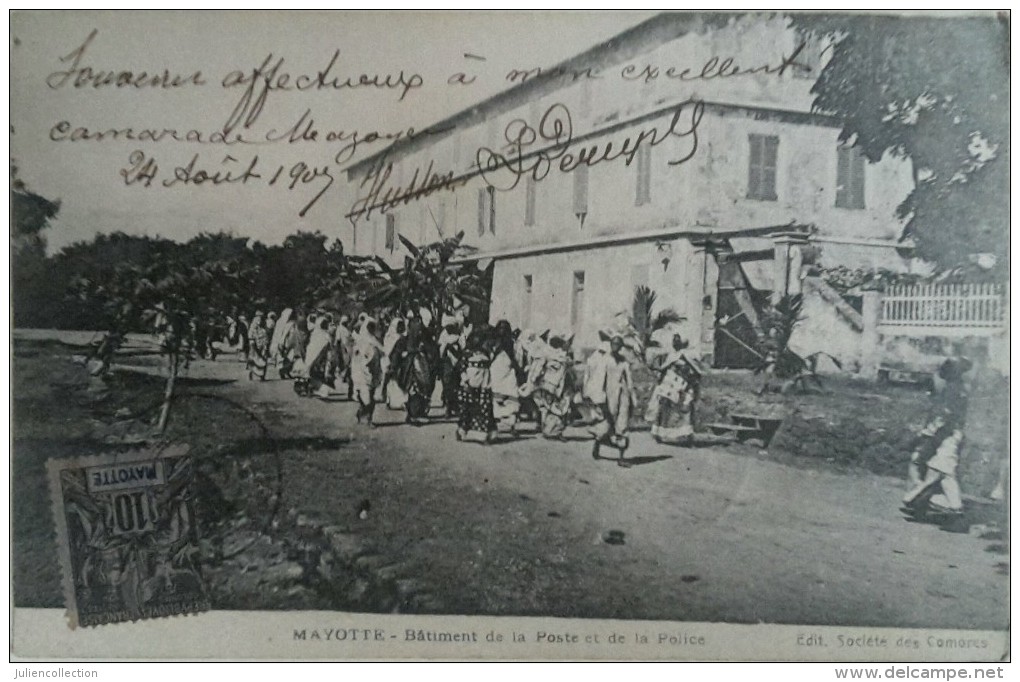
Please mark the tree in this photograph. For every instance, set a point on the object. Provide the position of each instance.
(103, 275)
(644, 322)
(341, 286)
(776, 360)
(163, 287)
(430, 280)
(934, 90)
(31, 213)
(36, 295)
(294, 271)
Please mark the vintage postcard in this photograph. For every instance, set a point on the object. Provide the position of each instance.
(510, 335)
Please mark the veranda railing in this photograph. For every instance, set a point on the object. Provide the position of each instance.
(956, 306)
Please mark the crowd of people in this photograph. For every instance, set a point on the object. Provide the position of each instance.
(488, 378)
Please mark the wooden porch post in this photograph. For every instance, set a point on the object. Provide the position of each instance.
(787, 261)
(870, 338)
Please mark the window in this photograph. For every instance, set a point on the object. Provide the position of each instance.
(644, 175)
(487, 210)
(577, 302)
(581, 191)
(440, 217)
(457, 150)
(492, 208)
(526, 303)
(849, 178)
(483, 210)
(761, 175)
(585, 105)
(530, 188)
(492, 138)
(391, 232)
(810, 57)
(535, 114)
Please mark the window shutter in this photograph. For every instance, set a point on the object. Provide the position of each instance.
(577, 302)
(581, 190)
(761, 167)
(769, 167)
(585, 106)
(857, 180)
(771, 152)
(482, 213)
(644, 175)
(810, 56)
(754, 167)
(529, 201)
(526, 312)
(849, 178)
(391, 232)
(492, 208)
(842, 177)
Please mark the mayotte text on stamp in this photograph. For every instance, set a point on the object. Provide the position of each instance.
(127, 536)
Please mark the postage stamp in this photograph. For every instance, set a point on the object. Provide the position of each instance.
(127, 536)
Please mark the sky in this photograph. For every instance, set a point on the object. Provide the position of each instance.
(91, 178)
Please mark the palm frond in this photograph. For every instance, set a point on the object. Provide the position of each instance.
(382, 264)
(411, 248)
(665, 317)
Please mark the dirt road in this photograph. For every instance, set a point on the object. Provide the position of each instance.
(709, 534)
(430, 525)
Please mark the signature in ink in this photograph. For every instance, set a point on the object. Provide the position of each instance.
(383, 197)
(535, 150)
(531, 151)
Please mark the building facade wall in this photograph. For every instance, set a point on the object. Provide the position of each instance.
(824, 330)
(708, 191)
(537, 229)
(611, 275)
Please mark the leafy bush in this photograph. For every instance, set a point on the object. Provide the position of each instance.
(776, 360)
(642, 319)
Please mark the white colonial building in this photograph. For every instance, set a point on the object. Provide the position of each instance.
(714, 218)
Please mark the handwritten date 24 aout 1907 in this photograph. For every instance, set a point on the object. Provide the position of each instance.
(143, 170)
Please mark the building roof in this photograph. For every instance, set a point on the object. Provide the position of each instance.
(698, 234)
(639, 39)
